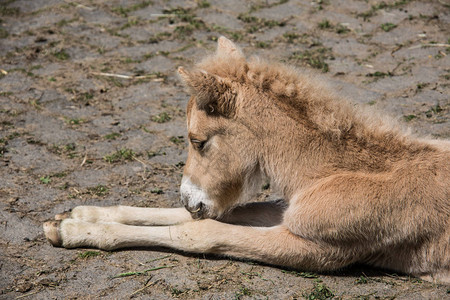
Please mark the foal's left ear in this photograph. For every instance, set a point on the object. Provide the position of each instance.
(228, 48)
(213, 94)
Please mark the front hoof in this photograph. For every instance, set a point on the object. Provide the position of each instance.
(51, 231)
(63, 216)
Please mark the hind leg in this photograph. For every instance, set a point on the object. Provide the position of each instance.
(365, 213)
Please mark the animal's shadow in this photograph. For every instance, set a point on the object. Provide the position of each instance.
(361, 272)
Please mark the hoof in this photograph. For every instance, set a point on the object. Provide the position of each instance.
(63, 216)
(51, 231)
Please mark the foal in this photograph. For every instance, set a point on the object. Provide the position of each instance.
(355, 189)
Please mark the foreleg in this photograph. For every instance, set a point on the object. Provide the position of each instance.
(129, 215)
(274, 245)
(252, 214)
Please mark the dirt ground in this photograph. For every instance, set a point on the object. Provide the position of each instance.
(71, 133)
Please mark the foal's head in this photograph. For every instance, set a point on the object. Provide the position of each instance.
(222, 167)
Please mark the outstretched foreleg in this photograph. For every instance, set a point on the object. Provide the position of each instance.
(129, 215)
(254, 214)
(273, 245)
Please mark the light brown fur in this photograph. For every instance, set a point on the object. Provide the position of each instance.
(356, 189)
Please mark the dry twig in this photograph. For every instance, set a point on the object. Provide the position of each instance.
(429, 45)
(154, 77)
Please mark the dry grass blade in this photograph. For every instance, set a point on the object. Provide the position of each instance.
(429, 45)
(144, 287)
(126, 274)
(155, 77)
(141, 161)
(84, 160)
(80, 5)
(26, 295)
(159, 258)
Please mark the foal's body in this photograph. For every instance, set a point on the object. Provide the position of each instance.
(355, 189)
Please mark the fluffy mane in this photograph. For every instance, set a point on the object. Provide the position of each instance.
(305, 96)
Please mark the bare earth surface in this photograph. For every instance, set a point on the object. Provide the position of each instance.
(72, 135)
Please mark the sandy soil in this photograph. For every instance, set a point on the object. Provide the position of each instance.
(72, 135)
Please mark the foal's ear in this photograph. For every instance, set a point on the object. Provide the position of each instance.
(213, 94)
(228, 48)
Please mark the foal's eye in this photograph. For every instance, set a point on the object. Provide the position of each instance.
(198, 144)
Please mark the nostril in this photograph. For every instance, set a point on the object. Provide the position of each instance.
(194, 210)
(198, 211)
(198, 208)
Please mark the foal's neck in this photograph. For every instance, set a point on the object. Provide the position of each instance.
(296, 154)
